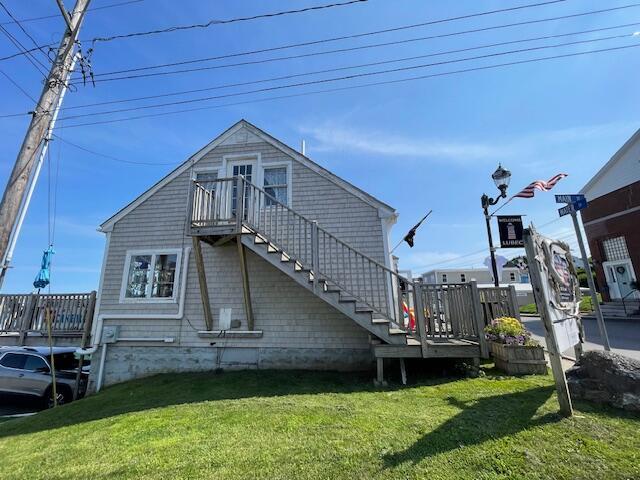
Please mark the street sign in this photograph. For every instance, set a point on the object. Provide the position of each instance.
(510, 228)
(572, 207)
(570, 198)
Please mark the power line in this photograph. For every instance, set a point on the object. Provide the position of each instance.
(17, 85)
(29, 56)
(110, 157)
(358, 35)
(285, 77)
(351, 87)
(24, 30)
(230, 20)
(104, 7)
(343, 78)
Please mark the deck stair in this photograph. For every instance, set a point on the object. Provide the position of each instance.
(447, 322)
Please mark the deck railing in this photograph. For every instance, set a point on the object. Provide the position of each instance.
(498, 302)
(70, 313)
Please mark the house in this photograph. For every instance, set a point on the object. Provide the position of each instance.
(251, 255)
(611, 222)
(509, 276)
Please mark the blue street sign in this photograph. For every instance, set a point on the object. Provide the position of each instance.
(573, 207)
(570, 198)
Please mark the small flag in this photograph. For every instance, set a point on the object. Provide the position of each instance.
(529, 190)
(409, 316)
(412, 233)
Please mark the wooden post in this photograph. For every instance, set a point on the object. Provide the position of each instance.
(47, 314)
(88, 321)
(315, 255)
(419, 312)
(514, 301)
(27, 318)
(202, 280)
(248, 310)
(403, 371)
(543, 307)
(478, 315)
(240, 203)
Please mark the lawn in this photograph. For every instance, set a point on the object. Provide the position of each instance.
(267, 424)
(586, 306)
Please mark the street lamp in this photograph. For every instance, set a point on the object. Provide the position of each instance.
(501, 178)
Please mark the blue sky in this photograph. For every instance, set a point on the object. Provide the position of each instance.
(419, 145)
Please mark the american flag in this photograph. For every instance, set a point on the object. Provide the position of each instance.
(529, 190)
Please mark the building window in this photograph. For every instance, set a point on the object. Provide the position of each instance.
(615, 248)
(512, 276)
(444, 278)
(151, 276)
(524, 278)
(276, 185)
(463, 278)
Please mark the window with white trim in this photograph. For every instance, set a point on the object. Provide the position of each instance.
(151, 276)
(512, 276)
(463, 278)
(276, 184)
(444, 278)
(615, 248)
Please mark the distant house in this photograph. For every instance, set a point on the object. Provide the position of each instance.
(612, 221)
(484, 278)
(248, 255)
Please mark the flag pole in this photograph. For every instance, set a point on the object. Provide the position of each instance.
(414, 228)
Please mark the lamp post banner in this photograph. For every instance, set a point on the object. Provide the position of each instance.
(510, 228)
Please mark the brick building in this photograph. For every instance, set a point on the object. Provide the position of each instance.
(612, 221)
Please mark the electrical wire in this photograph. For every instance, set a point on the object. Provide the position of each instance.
(24, 30)
(359, 35)
(29, 55)
(17, 85)
(110, 157)
(104, 7)
(227, 21)
(343, 78)
(364, 85)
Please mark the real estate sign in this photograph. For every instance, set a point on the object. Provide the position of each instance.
(510, 228)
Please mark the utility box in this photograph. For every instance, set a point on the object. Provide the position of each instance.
(224, 323)
(110, 334)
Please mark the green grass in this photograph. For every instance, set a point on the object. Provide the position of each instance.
(586, 306)
(266, 424)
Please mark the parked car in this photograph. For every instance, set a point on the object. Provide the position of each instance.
(26, 371)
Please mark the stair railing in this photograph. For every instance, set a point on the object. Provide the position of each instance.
(328, 258)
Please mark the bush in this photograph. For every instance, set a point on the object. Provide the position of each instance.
(508, 330)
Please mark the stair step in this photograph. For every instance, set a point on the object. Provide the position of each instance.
(364, 310)
(259, 239)
(379, 321)
(397, 331)
(347, 299)
(271, 248)
(285, 258)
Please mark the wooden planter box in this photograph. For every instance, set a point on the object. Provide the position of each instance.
(519, 359)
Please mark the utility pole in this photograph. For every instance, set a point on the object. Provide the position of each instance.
(590, 282)
(55, 84)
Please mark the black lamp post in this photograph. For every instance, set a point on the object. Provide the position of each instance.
(501, 178)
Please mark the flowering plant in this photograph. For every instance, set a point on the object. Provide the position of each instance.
(510, 331)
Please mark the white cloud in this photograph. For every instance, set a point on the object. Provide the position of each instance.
(330, 137)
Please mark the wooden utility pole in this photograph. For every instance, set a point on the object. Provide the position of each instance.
(54, 85)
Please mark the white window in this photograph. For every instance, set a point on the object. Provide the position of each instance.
(615, 248)
(276, 184)
(463, 278)
(151, 276)
(512, 276)
(444, 278)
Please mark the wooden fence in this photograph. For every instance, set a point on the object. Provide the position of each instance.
(498, 302)
(71, 313)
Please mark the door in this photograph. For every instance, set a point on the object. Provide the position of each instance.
(619, 278)
(246, 168)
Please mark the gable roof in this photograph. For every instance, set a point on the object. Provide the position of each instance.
(107, 225)
(612, 161)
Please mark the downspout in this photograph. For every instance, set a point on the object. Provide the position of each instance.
(97, 333)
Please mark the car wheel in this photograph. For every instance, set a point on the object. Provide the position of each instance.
(62, 396)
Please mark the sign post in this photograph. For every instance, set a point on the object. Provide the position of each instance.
(575, 203)
(557, 295)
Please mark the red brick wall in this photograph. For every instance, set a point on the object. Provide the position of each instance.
(627, 225)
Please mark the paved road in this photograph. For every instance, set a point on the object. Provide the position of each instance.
(624, 335)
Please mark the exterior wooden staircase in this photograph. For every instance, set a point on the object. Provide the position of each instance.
(448, 318)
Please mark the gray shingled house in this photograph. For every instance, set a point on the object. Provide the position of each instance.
(250, 255)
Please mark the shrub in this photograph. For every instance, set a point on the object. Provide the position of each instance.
(510, 331)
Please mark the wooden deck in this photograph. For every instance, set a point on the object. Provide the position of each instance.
(435, 348)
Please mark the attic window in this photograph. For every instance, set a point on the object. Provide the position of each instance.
(150, 276)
